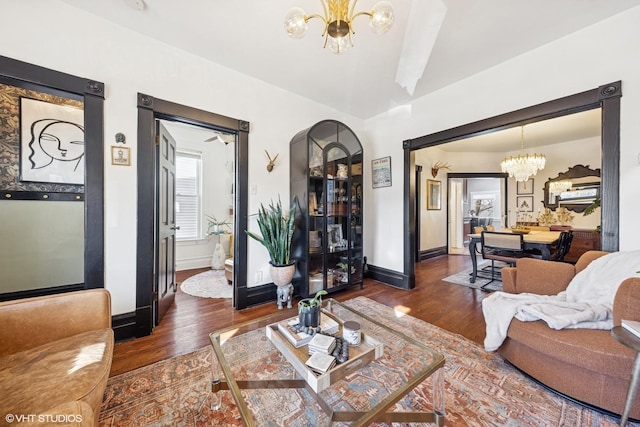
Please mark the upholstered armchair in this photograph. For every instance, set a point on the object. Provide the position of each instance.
(55, 355)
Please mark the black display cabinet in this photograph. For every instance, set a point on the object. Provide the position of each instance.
(326, 176)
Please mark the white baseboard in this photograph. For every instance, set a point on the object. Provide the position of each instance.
(193, 263)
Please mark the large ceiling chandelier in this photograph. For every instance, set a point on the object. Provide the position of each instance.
(523, 165)
(338, 21)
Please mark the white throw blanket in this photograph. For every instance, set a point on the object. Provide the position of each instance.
(586, 303)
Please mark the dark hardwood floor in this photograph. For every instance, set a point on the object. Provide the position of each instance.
(188, 322)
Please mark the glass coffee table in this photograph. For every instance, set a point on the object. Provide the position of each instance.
(270, 387)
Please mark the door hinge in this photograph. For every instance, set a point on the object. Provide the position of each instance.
(157, 139)
(155, 296)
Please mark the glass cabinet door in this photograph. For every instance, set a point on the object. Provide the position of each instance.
(337, 216)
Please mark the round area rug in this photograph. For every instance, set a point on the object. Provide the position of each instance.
(210, 284)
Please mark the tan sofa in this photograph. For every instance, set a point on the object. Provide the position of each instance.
(585, 364)
(55, 357)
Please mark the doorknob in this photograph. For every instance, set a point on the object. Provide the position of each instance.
(175, 228)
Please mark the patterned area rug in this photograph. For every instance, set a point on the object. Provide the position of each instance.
(210, 284)
(481, 389)
(483, 279)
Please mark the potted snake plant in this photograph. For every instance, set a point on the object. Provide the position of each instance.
(276, 231)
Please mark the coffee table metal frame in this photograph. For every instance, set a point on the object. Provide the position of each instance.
(227, 381)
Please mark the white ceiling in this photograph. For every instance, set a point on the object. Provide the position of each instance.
(248, 36)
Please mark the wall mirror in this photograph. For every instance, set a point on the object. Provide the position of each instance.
(581, 189)
(51, 177)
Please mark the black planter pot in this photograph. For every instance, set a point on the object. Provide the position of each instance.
(308, 316)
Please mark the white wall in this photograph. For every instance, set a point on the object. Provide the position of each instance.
(600, 54)
(81, 44)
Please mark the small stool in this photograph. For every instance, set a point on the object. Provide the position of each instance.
(228, 270)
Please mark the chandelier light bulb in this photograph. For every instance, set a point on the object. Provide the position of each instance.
(295, 23)
(338, 45)
(381, 19)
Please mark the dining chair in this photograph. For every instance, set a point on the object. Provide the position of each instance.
(563, 246)
(479, 229)
(499, 246)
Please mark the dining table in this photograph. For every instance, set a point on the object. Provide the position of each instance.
(534, 239)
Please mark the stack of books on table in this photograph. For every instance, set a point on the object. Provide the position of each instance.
(298, 338)
(320, 362)
(321, 344)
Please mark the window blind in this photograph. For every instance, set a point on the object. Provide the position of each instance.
(188, 192)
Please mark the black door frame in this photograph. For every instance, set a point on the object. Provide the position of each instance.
(150, 109)
(91, 93)
(607, 97)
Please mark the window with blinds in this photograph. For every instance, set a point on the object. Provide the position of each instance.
(188, 192)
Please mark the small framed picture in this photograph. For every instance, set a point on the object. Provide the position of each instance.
(120, 155)
(433, 194)
(381, 172)
(525, 187)
(525, 203)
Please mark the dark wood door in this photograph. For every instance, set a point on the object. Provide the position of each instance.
(165, 282)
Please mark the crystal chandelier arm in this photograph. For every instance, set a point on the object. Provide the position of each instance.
(369, 14)
(325, 9)
(323, 19)
(353, 8)
(315, 15)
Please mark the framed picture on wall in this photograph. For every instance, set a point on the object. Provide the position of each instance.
(525, 203)
(51, 142)
(525, 187)
(433, 194)
(381, 172)
(120, 155)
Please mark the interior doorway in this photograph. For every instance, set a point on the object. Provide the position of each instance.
(149, 110)
(606, 97)
(474, 200)
(204, 203)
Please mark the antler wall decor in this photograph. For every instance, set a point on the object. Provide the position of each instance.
(438, 166)
(272, 162)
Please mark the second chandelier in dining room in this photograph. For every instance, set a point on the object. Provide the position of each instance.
(338, 21)
(523, 166)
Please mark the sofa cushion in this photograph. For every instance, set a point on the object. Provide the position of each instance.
(591, 349)
(31, 380)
